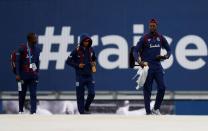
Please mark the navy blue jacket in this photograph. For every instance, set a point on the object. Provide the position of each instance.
(148, 47)
(23, 63)
(88, 56)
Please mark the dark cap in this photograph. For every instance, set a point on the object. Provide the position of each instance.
(153, 21)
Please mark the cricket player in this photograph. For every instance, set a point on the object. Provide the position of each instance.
(147, 53)
(27, 68)
(82, 59)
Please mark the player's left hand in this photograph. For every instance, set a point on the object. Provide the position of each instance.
(93, 63)
(161, 58)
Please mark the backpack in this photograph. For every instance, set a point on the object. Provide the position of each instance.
(13, 59)
(131, 56)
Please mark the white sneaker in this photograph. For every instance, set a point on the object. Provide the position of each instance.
(156, 112)
(21, 113)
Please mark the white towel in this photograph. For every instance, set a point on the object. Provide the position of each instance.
(142, 72)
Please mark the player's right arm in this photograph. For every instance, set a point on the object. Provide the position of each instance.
(137, 48)
(136, 53)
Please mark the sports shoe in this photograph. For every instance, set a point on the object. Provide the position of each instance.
(156, 112)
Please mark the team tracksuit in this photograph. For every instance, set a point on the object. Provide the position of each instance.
(149, 46)
(25, 56)
(84, 75)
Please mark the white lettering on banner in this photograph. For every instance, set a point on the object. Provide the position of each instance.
(167, 63)
(182, 53)
(62, 40)
(121, 51)
(138, 30)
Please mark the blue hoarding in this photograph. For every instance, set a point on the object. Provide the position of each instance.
(114, 26)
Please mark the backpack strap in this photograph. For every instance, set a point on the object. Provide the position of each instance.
(90, 53)
(80, 53)
(23, 49)
(145, 42)
(24, 52)
(12, 61)
(160, 37)
(145, 38)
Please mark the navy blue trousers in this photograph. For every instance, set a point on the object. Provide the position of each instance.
(156, 75)
(31, 85)
(81, 83)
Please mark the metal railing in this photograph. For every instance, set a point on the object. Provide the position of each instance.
(110, 95)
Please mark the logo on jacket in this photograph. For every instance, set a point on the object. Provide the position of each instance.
(154, 45)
